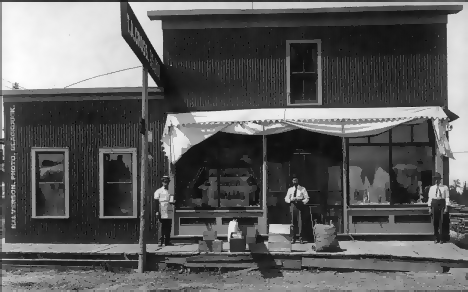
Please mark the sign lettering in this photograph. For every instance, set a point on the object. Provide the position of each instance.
(136, 38)
(13, 167)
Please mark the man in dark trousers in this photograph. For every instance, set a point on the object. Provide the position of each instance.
(297, 197)
(438, 202)
(166, 209)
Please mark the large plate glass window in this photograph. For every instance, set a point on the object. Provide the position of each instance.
(304, 76)
(50, 183)
(222, 172)
(118, 183)
(393, 168)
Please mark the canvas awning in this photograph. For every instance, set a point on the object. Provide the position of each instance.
(185, 130)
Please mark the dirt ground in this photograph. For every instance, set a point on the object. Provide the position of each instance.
(78, 280)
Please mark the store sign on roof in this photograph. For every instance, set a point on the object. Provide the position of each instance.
(135, 36)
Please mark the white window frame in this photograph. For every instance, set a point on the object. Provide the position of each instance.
(319, 71)
(34, 151)
(132, 151)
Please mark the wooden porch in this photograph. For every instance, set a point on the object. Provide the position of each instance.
(354, 255)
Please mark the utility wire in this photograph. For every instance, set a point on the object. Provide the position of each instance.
(13, 83)
(102, 75)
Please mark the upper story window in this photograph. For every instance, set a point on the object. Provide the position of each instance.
(304, 76)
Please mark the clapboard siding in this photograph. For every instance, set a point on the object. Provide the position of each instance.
(83, 127)
(400, 65)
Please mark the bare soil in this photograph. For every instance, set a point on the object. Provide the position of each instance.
(274, 280)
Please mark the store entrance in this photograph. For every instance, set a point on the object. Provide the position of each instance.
(316, 159)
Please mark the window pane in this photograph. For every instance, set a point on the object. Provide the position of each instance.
(369, 174)
(50, 167)
(297, 61)
(401, 134)
(421, 132)
(50, 199)
(118, 167)
(382, 138)
(310, 58)
(310, 87)
(118, 199)
(303, 88)
(412, 172)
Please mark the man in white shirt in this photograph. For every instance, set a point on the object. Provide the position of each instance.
(438, 202)
(297, 197)
(165, 202)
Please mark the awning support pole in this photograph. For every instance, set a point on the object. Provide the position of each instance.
(344, 187)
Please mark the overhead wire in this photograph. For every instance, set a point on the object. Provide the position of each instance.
(102, 75)
(13, 84)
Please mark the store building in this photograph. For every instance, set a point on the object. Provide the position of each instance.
(353, 101)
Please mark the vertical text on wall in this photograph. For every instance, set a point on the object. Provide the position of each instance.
(13, 167)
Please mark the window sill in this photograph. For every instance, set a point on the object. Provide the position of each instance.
(316, 103)
(118, 217)
(219, 211)
(388, 206)
(50, 217)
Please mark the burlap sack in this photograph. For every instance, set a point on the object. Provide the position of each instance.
(325, 238)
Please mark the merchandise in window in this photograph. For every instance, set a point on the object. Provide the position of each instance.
(223, 171)
(50, 179)
(411, 173)
(369, 178)
(398, 175)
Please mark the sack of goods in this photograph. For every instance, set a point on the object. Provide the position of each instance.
(325, 238)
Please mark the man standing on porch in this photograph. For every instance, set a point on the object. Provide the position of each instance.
(165, 202)
(297, 197)
(438, 205)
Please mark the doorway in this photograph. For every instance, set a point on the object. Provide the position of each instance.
(316, 159)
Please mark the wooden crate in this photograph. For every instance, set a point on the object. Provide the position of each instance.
(280, 246)
(210, 235)
(279, 238)
(210, 246)
(280, 229)
(237, 245)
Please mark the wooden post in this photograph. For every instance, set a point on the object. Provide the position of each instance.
(144, 158)
(344, 187)
(264, 185)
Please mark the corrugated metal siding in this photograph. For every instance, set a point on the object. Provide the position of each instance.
(402, 65)
(83, 127)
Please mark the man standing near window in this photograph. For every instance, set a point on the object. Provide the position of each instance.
(165, 201)
(297, 197)
(438, 206)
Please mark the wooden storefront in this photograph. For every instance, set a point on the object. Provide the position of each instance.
(387, 58)
(76, 125)
(373, 58)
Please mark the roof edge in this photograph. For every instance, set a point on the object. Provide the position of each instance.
(166, 14)
(67, 91)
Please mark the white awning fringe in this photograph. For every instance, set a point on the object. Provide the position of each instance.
(192, 128)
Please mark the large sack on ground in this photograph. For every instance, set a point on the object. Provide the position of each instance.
(325, 238)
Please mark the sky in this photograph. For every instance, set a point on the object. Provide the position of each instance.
(55, 44)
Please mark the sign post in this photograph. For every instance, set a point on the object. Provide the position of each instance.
(136, 38)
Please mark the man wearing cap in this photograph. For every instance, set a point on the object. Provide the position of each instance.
(165, 201)
(438, 202)
(297, 197)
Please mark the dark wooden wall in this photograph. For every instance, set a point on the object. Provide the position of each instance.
(83, 127)
(363, 66)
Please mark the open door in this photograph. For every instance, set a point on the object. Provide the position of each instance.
(316, 160)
